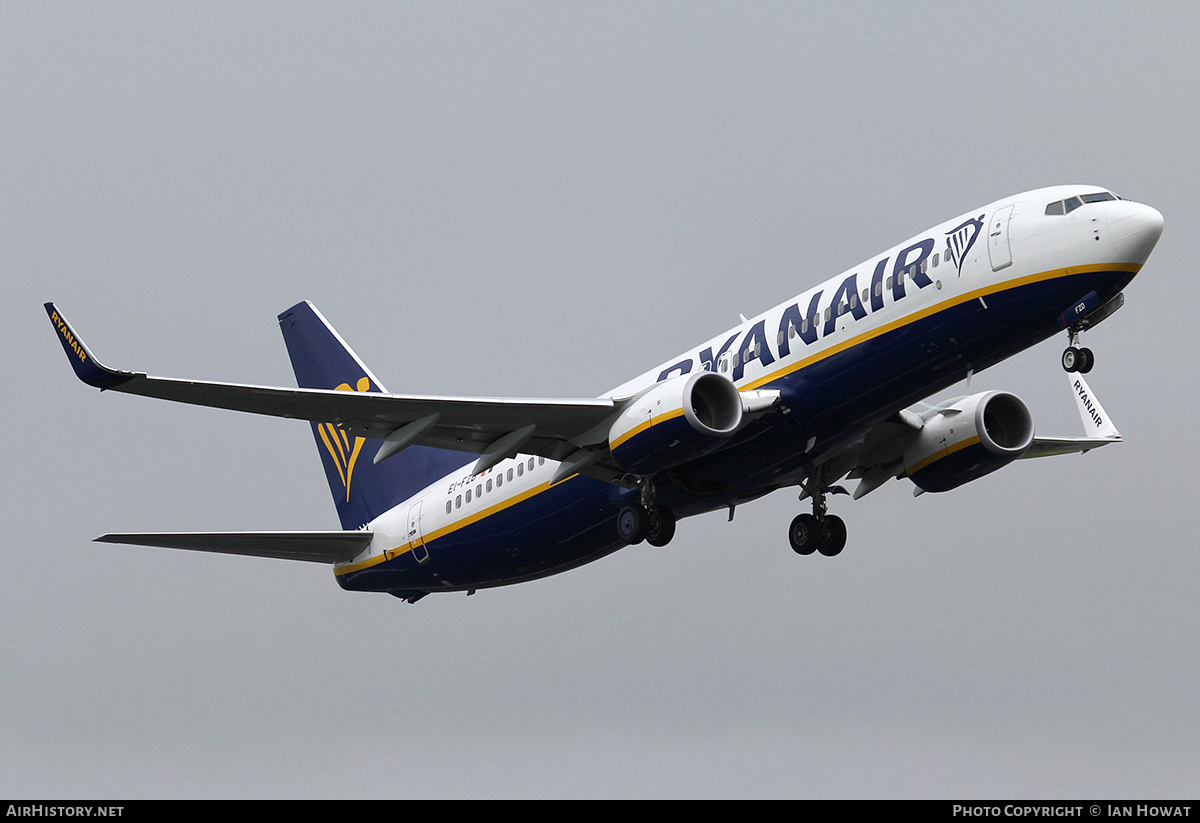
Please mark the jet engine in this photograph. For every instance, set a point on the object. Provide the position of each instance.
(968, 438)
(674, 421)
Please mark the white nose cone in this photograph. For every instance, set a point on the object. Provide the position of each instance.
(1134, 229)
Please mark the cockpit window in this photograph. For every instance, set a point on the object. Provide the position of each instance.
(1071, 203)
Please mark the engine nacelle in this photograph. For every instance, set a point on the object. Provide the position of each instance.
(674, 421)
(971, 437)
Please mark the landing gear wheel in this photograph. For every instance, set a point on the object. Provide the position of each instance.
(1086, 361)
(1071, 359)
(661, 526)
(804, 534)
(632, 524)
(833, 536)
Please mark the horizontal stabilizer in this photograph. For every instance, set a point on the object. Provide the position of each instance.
(315, 547)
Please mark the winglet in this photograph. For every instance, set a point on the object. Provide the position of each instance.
(87, 367)
(1097, 426)
(1096, 422)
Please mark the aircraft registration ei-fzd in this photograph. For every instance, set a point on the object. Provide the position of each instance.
(443, 494)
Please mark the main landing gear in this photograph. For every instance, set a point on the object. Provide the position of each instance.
(646, 520)
(819, 531)
(1075, 358)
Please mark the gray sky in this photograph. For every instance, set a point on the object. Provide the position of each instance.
(546, 199)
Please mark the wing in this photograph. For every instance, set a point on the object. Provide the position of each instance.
(1098, 426)
(886, 452)
(565, 429)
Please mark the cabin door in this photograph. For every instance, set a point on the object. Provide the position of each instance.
(998, 250)
(414, 533)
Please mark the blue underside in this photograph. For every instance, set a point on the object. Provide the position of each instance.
(834, 400)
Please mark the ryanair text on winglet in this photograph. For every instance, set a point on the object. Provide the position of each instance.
(65, 331)
(1087, 404)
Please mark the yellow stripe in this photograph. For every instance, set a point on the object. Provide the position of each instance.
(962, 444)
(995, 288)
(641, 427)
(450, 528)
(1132, 268)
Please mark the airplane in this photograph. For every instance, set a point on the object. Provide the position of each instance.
(454, 494)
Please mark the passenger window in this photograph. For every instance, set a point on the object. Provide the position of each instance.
(510, 474)
(531, 464)
(520, 469)
(935, 261)
(458, 502)
(449, 506)
(468, 495)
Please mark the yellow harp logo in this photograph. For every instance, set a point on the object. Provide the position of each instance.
(338, 442)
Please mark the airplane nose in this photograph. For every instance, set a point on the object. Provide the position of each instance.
(1134, 229)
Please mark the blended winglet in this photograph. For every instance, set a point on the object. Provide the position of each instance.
(1097, 425)
(1096, 421)
(87, 367)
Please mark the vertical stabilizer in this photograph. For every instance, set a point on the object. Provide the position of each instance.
(361, 489)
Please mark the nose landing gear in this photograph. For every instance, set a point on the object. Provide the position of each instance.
(1075, 358)
(1081, 317)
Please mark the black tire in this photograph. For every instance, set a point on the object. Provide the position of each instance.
(1070, 359)
(662, 526)
(632, 524)
(1086, 361)
(833, 536)
(804, 534)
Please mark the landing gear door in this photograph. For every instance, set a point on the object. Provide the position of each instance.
(998, 251)
(414, 533)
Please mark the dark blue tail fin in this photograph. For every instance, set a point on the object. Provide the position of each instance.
(362, 489)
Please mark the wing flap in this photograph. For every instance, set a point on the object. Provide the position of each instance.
(311, 546)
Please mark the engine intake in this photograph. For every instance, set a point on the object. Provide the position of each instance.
(967, 439)
(674, 421)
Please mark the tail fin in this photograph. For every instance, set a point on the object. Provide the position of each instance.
(361, 489)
